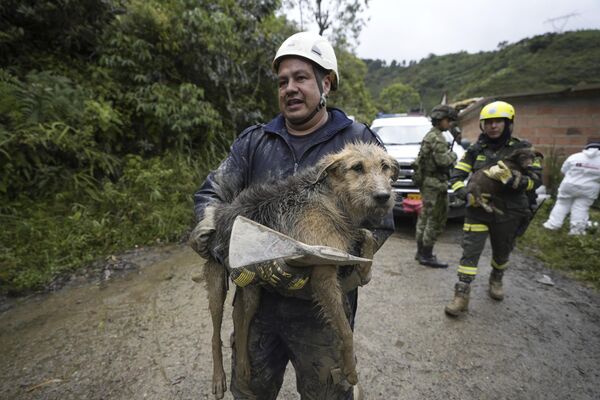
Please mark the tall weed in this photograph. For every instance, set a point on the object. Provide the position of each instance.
(151, 203)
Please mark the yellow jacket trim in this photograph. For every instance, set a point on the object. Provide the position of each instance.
(463, 269)
(481, 157)
(530, 184)
(499, 266)
(475, 227)
(463, 166)
(244, 278)
(458, 185)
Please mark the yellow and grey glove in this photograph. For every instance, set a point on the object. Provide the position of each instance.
(500, 172)
(277, 273)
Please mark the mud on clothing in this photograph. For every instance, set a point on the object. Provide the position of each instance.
(262, 153)
(434, 162)
(281, 332)
(514, 203)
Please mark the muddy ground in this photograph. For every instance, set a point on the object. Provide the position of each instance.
(145, 334)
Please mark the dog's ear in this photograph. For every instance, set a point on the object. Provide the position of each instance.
(327, 165)
(539, 155)
(395, 169)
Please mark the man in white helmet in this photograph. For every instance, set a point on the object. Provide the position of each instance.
(578, 190)
(289, 328)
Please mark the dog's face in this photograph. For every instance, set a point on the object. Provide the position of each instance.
(362, 175)
(525, 157)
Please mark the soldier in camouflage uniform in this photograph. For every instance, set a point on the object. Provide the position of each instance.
(515, 201)
(433, 167)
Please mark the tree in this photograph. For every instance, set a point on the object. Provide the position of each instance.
(340, 18)
(398, 97)
(352, 95)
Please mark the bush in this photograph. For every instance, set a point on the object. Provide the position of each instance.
(150, 203)
(579, 256)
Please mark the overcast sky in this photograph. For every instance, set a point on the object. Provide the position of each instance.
(411, 30)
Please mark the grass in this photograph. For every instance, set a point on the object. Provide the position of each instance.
(41, 239)
(578, 256)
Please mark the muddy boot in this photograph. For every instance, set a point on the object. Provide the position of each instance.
(460, 303)
(496, 291)
(419, 250)
(429, 259)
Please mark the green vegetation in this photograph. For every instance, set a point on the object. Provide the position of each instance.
(546, 62)
(398, 97)
(578, 256)
(113, 111)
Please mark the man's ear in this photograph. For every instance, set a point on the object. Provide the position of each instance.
(327, 84)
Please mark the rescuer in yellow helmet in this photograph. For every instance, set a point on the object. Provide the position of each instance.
(515, 202)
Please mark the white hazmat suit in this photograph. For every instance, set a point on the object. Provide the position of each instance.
(578, 190)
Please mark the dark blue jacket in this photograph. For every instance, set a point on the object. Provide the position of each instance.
(261, 153)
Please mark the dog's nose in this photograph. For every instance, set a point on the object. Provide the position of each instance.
(381, 197)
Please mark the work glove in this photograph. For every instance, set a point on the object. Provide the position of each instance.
(500, 172)
(201, 236)
(282, 275)
(472, 201)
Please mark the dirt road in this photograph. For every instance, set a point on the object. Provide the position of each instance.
(146, 335)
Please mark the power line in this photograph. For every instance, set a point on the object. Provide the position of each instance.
(558, 23)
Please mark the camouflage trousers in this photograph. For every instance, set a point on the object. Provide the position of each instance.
(290, 329)
(432, 218)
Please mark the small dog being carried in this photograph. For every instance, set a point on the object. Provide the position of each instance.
(483, 188)
(323, 205)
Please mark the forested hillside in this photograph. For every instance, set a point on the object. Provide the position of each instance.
(113, 111)
(545, 62)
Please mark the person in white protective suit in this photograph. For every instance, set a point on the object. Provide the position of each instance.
(578, 190)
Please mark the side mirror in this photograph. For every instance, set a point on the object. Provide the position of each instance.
(465, 143)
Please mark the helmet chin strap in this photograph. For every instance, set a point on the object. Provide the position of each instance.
(322, 101)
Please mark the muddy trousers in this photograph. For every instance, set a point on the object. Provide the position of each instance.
(432, 218)
(502, 238)
(289, 329)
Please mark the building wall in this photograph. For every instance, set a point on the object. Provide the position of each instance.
(562, 125)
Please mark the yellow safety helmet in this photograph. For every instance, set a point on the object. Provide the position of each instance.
(497, 109)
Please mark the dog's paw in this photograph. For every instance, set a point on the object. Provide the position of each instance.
(219, 385)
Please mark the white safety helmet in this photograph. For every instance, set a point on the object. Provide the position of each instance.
(313, 47)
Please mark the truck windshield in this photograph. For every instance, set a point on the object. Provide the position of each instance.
(402, 134)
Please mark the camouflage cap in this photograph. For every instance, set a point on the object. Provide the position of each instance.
(444, 111)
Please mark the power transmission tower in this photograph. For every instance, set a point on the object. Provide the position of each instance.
(558, 23)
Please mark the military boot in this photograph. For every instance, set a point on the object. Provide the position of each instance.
(429, 259)
(496, 291)
(419, 250)
(460, 302)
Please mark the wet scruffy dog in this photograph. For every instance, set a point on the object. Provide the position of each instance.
(323, 205)
(518, 162)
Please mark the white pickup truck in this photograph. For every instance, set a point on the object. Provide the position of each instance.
(402, 135)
